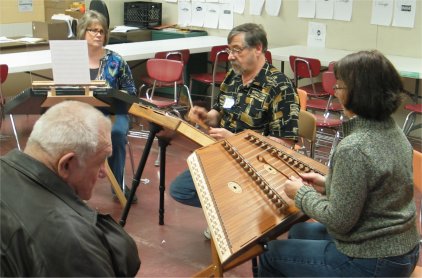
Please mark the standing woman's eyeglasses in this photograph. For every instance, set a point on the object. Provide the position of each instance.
(95, 32)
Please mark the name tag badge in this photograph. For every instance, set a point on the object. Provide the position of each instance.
(228, 102)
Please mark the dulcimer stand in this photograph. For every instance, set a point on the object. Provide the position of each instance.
(163, 142)
(159, 120)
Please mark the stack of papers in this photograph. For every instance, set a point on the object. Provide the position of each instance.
(29, 40)
(123, 29)
(5, 39)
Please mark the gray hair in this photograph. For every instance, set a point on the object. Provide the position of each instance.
(254, 35)
(90, 17)
(69, 126)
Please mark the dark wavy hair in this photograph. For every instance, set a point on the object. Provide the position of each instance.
(374, 87)
(254, 35)
(90, 17)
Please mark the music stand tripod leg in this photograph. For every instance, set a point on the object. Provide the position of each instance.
(154, 129)
(163, 143)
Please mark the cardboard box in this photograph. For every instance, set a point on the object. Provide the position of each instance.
(74, 14)
(130, 36)
(53, 30)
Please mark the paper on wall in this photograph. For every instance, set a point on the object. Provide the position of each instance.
(272, 7)
(404, 13)
(316, 34)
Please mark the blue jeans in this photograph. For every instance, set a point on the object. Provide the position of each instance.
(119, 140)
(310, 252)
(183, 190)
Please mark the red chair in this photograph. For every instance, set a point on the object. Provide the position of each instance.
(4, 69)
(330, 105)
(309, 68)
(217, 56)
(165, 71)
(269, 56)
(409, 123)
(179, 55)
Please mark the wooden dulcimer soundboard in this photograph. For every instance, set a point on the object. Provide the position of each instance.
(172, 123)
(239, 182)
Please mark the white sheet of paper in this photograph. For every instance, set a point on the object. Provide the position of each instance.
(316, 34)
(272, 7)
(239, 6)
(212, 13)
(198, 14)
(226, 17)
(343, 9)
(255, 7)
(123, 29)
(185, 14)
(306, 8)
(25, 6)
(70, 62)
(173, 1)
(324, 9)
(382, 12)
(404, 13)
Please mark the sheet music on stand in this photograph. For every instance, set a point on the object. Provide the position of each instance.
(70, 62)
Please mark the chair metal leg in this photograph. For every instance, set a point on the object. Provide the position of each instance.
(157, 160)
(333, 147)
(15, 132)
(408, 123)
(212, 95)
(189, 96)
(132, 163)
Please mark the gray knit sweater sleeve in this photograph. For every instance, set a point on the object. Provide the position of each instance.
(347, 193)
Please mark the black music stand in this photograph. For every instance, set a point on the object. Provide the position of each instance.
(31, 101)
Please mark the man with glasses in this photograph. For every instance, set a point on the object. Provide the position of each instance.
(255, 95)
(107, 65)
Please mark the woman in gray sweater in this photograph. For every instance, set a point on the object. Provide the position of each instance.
(364, 208)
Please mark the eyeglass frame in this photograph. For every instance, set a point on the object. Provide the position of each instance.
(235, 51)
(95, 32)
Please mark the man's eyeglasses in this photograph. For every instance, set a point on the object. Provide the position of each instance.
(95, 32)
(336, 87)
(234, 51)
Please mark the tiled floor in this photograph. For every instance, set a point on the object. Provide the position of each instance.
(175, 249)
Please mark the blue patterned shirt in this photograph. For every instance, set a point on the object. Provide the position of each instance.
(116, 72)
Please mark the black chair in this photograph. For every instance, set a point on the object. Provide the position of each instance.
(101, 7)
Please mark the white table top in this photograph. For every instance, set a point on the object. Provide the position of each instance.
(147, 49)
(41, 60)
(407, 66)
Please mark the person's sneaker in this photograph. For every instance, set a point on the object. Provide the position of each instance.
(207, 233)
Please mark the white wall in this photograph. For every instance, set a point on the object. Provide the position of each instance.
(16, 29)
(288, 29)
